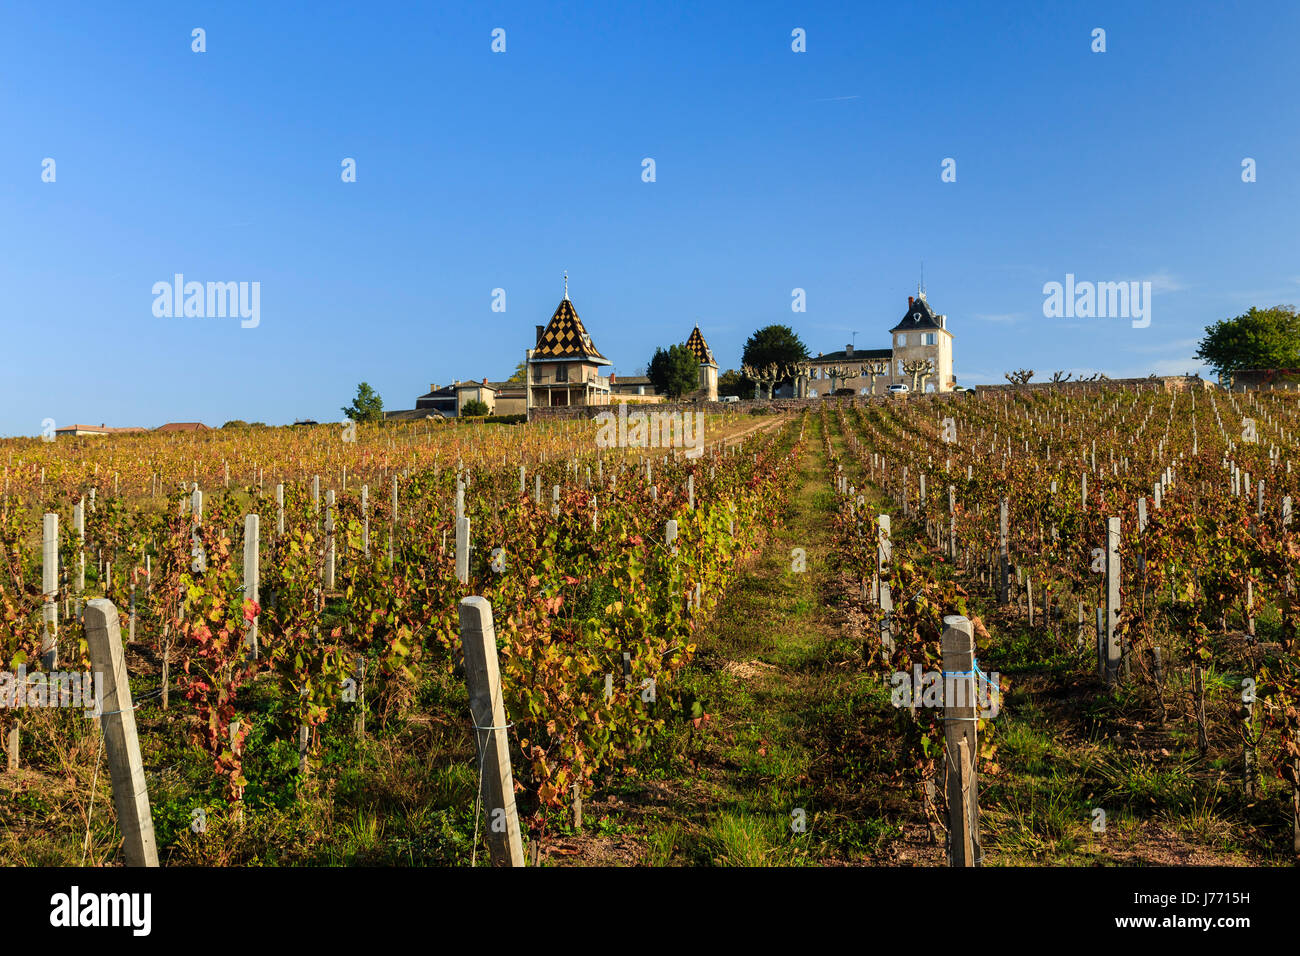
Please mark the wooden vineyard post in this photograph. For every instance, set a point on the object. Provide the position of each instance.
(1099, 644)
(79, 525)
(884, 556)
(11, 746)
(960, 742)
(365, 520)
(392, 526)
(1003, 556)
(1115, 658)
(252, 575)
(122, 745)
(1158, 667)
(491, 732)
(279, 510)
(952, 523)
(50, 591)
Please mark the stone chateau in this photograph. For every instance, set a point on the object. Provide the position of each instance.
(565, 368)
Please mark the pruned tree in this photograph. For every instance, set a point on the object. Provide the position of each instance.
(838, 373)
(873, 370)
(1020, 376)
(802, 374)
(767, 376)
(920, 370)
(1062, 376)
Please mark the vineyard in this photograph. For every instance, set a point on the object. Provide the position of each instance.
(702, 660)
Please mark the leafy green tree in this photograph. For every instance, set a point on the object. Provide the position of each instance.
(732, 382)
(473, 408)
(1261, 338)
(674, 372)
(774, 344)
(367, 406)
(235, 423)
(521, 373)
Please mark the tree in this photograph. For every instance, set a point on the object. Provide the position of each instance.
(1261, 338)
(674, 372)
(774, 345)
(473, 408)
(366, 407)
(521, 374)
(235, 423)
(1020, 376)
(731, 382)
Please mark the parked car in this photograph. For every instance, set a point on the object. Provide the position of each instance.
(729, 398)
(899, 389)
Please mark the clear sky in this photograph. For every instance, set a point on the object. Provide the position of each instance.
(476, 170)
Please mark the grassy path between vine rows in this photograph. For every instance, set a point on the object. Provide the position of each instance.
(778, 675)
(799, 732)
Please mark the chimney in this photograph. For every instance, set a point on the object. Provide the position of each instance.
(848, 350)
(540, 330)
(485, 381)
(909, 301)
(433, 386)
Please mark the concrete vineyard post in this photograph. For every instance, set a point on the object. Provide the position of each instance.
(1115, 658)
(252, 575)
(960, 742)
(491, 733)
(279, 509)
(121, 744)
(462, 550)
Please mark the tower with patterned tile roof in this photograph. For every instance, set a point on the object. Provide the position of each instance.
(564, 365)
(708, 390)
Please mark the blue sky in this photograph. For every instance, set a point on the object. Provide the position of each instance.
(477, 170)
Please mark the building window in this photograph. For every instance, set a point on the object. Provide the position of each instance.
(929, 338)
(561, 372)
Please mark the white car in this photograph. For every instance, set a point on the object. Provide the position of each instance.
(899, 389)
(729, 398)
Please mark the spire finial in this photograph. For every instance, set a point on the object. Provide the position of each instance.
(566, 283)
(920, 288)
